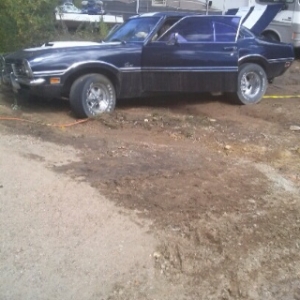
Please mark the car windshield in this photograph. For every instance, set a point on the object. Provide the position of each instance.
(135, 29)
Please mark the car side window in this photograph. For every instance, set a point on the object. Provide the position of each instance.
(204, 29)
(224, 32)
(191, 29)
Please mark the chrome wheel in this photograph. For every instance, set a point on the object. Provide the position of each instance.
(92, 95)
(251, 85)
(97, 98)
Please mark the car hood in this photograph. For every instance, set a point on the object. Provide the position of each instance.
(256, 18)
(55, 47)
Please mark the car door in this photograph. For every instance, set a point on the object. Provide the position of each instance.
(197, 54)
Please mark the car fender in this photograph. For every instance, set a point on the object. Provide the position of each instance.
(254, 58)
(79, 69)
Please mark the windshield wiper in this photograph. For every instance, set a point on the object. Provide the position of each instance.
(116, 40)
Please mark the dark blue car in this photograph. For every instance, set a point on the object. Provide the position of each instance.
(153, 53)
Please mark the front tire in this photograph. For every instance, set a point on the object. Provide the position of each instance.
(252, 84)
(92, 95)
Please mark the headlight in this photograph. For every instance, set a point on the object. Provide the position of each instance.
(22, 69)
(27, 68)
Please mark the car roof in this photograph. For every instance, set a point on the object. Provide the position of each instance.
(167, 14)
(256, 18)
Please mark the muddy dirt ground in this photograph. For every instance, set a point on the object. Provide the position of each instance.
(217, 184)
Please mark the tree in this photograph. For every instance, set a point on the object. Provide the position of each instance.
(25, 23)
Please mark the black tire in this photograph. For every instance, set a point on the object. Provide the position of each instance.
(92, 95)
(271, 36)
(252, 84)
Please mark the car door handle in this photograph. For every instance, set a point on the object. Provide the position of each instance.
(233, 48)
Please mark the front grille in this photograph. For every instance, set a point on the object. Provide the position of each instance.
(2, 64)
(7, 69)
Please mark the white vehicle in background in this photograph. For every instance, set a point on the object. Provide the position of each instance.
(92, 12)
(285, 27)
(224, 5)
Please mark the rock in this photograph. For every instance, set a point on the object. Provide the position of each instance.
(227, 147)
(156, 255)
(284, 153)
(146, 120)
(297, 294)
(212, 120)
(295, 128)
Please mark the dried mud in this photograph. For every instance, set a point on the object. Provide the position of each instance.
(219, 184)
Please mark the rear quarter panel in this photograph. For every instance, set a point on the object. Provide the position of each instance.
(272, 56)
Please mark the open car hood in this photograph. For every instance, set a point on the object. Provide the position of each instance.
(256, 18)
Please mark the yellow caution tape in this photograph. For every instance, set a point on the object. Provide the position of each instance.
(281, 96)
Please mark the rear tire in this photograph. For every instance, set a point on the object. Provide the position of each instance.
(252, 84)
(271, 36)
(92, 95)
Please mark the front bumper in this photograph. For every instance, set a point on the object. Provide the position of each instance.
(36, 86)
(13, 76)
